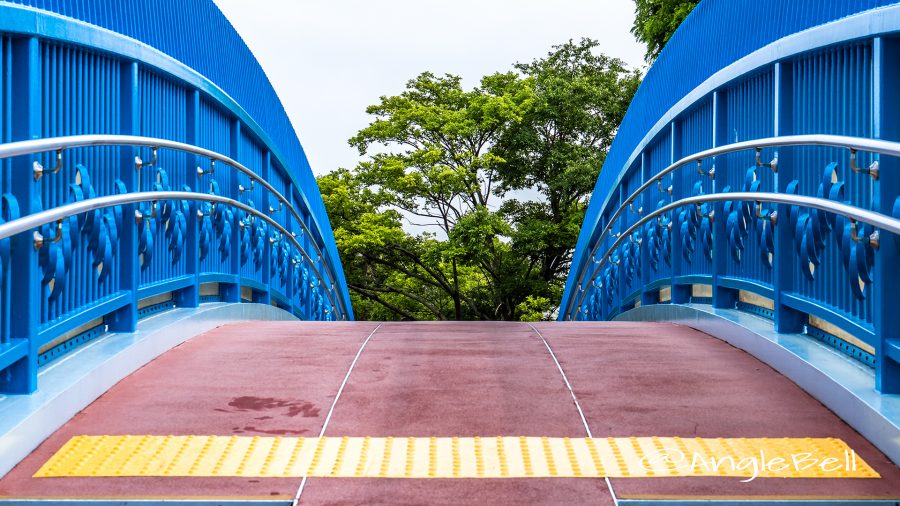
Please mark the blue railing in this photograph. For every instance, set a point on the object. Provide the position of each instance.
(790, 98)
(105, 98)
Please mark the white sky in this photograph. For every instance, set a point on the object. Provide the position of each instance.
(329, 59)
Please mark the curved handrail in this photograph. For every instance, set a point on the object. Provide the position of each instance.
(78, 141)
(823, 140)
(55, 214)
(870, 217)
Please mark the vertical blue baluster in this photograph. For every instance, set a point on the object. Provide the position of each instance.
(25, 303)
(785, 262)
(310, 310)
(305, 242)
(265, 274)
(681, 293)
(5, 185)
(722, 297)
(125, 319)
(647, 296)
(291, 227)
(190, 295)
(232, 292)
(887, 190)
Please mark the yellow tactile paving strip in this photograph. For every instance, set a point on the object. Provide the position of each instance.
(453, 457)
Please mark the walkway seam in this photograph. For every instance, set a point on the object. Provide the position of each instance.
(574, 399)
(334, 403)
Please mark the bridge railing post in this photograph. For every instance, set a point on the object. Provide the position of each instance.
(189, 296)
(723, 297)
(125, 318)
(787, 319)
(620, 273)
(648, 297)
(603, 309)
(886, 201)
(292, 227)
(232, 292)
(5, 183)
(20, 377)
(266, 271)
(681, 293)
(304, 303)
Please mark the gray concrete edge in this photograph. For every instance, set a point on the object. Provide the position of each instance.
(840, 383)
(74, 381)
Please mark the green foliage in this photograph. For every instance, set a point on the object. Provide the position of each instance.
(656, 20)
(534, 309)
(458, 161)
(559, 147)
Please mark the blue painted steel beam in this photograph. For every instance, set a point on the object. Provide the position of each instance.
(126, 318)
(886, 196)
(25, 69)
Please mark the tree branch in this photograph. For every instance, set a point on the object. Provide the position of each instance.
(360, 290)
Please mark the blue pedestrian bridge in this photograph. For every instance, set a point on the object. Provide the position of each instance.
(154, 189)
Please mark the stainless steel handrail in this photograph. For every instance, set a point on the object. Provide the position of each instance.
(38, 219)
(79, 141)
(878, 220)
(822, 140)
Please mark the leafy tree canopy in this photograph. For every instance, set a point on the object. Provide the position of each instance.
(656, 20)
(500, 174)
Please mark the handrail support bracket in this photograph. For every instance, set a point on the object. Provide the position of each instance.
(873, 239)
(872, 170)
(39, 170)
(212, 169)
(772, 165)
(711, 172)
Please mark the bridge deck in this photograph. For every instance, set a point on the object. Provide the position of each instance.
(455, 379)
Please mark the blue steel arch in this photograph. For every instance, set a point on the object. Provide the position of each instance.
(739, 71)
(174, 70)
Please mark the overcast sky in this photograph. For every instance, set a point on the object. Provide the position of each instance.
(329, 59)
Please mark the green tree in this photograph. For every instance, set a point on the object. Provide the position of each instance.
(432, 160)
(558, 148)
(454, 159)
(656, 20)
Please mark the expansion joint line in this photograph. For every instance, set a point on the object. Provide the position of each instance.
(562, 373)
(334, 403)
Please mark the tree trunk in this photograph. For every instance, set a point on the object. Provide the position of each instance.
(457, 302)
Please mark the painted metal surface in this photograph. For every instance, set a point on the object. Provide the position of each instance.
(785, 71)
(248, 217)
(854, 214)
(94, 68)
(60, 144)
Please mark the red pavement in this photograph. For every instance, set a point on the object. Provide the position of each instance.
(655, 379)
(257, 378)
(446, 379)
(458, 379)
